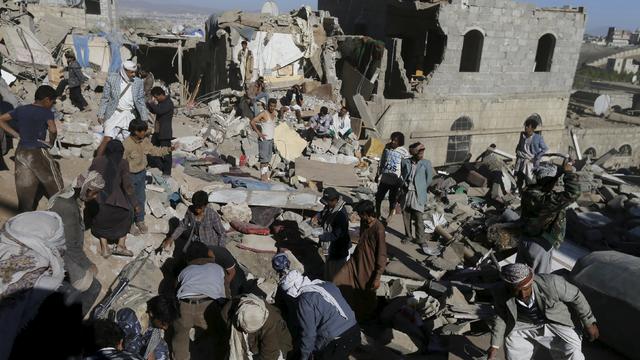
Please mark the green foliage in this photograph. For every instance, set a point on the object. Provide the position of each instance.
(586, 74)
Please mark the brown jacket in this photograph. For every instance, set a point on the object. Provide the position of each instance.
(271, 339)
(136, 151)
(122, 194)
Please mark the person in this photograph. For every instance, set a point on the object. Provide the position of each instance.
(136, 148)
(202, 223)
(162, 107)
(256, 328)
(544, 215)
(123, 95)
(255, 91)
(266, 132)
(335, 225)
(327, 325)
(292, 100)
(245, 62)
(235, 278)
(320, 124)
(68, 204)
(35, 167)
(108, 341)
(150, 344)
(533, 311)
(75, 81)
(417, 174)
(389, 173)
(359, 278)
(115, 202)
(6, 142)
(200, 293)
(148, 80)
(31, 248)
(529, 151)
(341, 125)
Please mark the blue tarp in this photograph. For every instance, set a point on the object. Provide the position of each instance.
(81, 45)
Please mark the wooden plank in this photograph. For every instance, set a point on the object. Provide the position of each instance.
(329, 174)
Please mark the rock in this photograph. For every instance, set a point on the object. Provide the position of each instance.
(250, 150)
(236, 212)
(288, 142)
(462, 199)
(157, 226)
(190, 143)
(219, 169)
(155, 205)
(399, 341)
(320, 145)
(181, 210)
(617, 203)
(373, 148)
(258, 243)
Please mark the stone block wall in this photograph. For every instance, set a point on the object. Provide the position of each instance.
(603, 139)
(75, 17)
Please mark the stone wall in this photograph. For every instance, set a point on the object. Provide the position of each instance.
(75, 17)
(603, 139)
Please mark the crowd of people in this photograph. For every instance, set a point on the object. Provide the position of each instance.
(213, 308)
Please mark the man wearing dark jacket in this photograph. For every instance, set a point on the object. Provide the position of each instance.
(532, 311)
(544, 215)
(335, 225)
(162, 107)
(75, 81)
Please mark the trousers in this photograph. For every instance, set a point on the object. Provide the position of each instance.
(75, 94)
(206, 318)
(35, 170)
(340, 348)
(163, 163)
(387, 187)
(139, 182)
(537, 253)
(524, 340)
(409, 215)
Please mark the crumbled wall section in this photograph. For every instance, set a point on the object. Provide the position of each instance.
(512, 31)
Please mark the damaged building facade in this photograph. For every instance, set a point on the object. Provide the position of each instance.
(473, 74)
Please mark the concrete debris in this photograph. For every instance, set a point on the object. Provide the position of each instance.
(236, 212)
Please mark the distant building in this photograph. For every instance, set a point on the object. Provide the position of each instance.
(623, 65)
(618, 37)
(635, 38)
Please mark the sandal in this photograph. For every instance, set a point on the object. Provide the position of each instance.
(118, 251)
(105, 254)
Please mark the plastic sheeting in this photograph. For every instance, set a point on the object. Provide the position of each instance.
(272, 51)
(610, 281)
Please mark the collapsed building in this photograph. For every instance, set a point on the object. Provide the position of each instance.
(472, 74)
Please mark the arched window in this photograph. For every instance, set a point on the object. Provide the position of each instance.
(544, 54)
(459, 146)
(471, 51)
(590, 152)
(625, 150)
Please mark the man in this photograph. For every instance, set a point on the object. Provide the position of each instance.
(292, 100)
(320, 124)
(533, 311)
(389, 173)
(35, 167)
(257, 328)
(136, 148)
(341, 125)
(234, 277)
(202, 223)
(359, 278)
(335, 225)
(6, 142)
(529, 151)
(76, 79)
(108, 340)
(148, 80)
(162, 107)
(200, 293)
(255, 91)
(245, 63)
(544, 215)
(123, 94)
(327, 325)
(266, 132)
(417, 174)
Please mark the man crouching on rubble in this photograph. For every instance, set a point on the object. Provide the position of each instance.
(543, 214)
(533, 311)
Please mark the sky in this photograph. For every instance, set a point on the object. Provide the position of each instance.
(601, 13)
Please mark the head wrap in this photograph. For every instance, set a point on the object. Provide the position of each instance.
(546, 170)
(294, 284)
(514, 274)
(89, 181)
(416, 149)
(250, 316)
(280, 262)
(127, 66)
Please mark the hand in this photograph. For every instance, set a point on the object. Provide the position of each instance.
(376, 284)
(137, 209)
(314, 221)
(492, 353)
(567, 166)
(166, 243)
(593, 332)
(100, 120)
(263, 136)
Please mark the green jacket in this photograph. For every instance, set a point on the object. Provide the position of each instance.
(554, 295)
(543, 213)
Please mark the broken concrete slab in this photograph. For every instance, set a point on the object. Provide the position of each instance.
(329, 174)
(374, 148)
(320, 145)
(281, 199)
(258, 243)
(236, 212)
(190, 143)
(219, 169)
(288, 142)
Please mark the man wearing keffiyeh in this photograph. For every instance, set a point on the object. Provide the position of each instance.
(532, 311)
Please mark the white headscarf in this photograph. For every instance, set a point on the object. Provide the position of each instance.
(31, 268)
(295, 284)
(250, 316)
(127, 66)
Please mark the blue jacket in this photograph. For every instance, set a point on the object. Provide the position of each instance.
(422, 180)
(538, 146)
(320, 322)
(111, 97)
